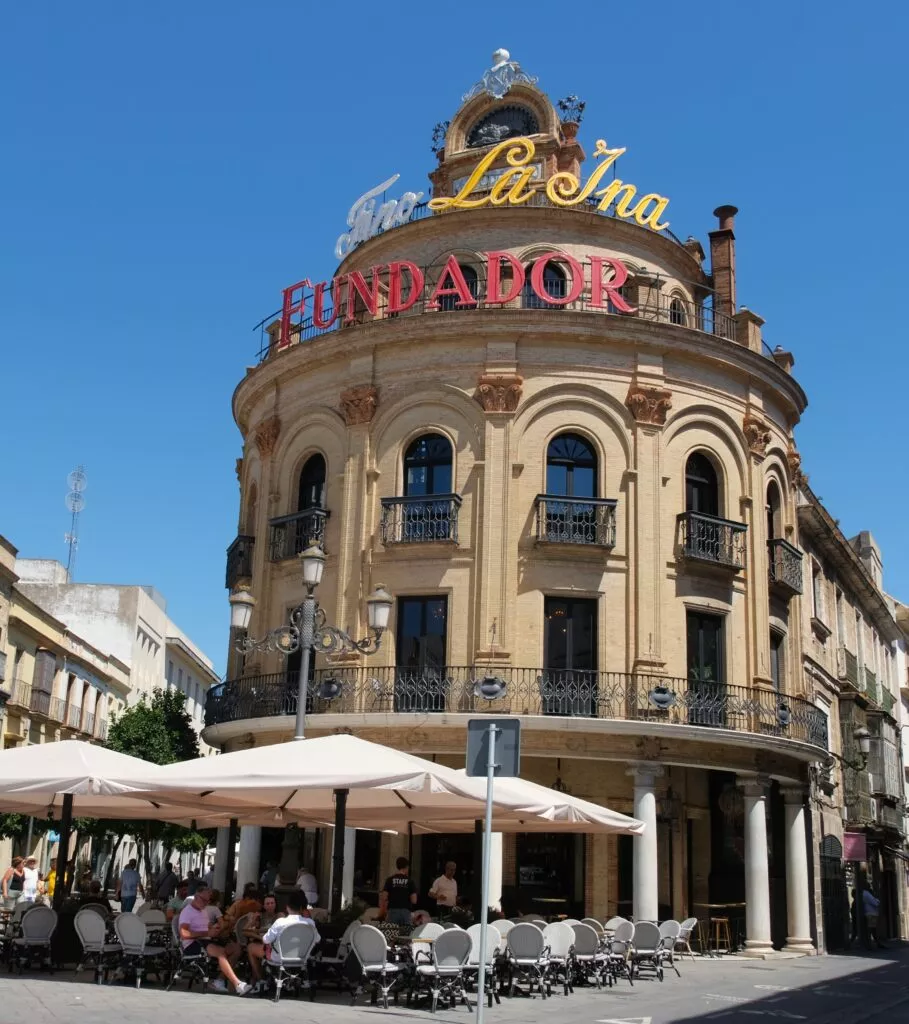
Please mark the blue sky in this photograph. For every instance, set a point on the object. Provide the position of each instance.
(169, 168)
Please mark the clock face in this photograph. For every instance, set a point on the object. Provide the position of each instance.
(503, 123)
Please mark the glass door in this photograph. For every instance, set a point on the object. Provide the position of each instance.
(707, 688)
(420, 672)
(568, 685)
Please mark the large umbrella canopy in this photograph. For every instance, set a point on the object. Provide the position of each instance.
(294, 783)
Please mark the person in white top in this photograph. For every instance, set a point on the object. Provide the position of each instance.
(29, 881)
(307, 882)
(297, 913)
(444, 889)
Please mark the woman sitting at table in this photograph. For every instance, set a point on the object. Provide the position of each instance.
(269, 915)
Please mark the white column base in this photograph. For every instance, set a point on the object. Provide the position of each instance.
(803, 946)
(758, 949)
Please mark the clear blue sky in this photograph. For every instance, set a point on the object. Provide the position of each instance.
(168, 168)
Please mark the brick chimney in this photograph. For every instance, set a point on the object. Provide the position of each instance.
(722, 260)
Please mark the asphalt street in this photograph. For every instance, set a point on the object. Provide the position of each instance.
(866, 989)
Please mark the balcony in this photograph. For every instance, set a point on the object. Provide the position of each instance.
(57, 710)
(40, 703)
(528, 691)
(871, 686)
(239, 561)
(289, 535)
(420, 520)
(2, 666)
(847, 668)
(785, 567)
(73, 717)
(711, 540)
(20, 694)
(888, 701)
(589, 521)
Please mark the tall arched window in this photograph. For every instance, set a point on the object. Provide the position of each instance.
(571, 467)
(427, 466)
(449, 303)
(774, 514)
(311, 493)
(554, 283)
(677, 312)
(702, 491)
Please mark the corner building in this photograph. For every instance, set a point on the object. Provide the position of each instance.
(596, 506)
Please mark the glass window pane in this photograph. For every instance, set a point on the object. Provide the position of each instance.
(583, 482)
(556, 479)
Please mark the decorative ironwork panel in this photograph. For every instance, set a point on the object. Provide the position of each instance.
(785, 566)
(420, 520)
(289, 535)
(576, 520)
(848, 666)
(239, 561)
(711, 539)
(20, 694)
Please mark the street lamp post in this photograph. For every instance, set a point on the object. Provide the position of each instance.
(307, 628)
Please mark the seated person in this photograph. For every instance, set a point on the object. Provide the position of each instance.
(195, 932)
(177, 902)
(214, 906)
(95, 896)
(297, 913)
(269, 914)
(247, 904)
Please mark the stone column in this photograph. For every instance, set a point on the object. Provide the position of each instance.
(757, 867)
(646, 876)
(219, 875)
(248, 858)
(798, 890)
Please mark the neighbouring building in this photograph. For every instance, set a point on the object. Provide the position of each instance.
(543, 421)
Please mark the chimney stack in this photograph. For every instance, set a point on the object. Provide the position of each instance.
(722, 260)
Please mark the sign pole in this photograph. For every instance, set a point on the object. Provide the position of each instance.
(487, 865)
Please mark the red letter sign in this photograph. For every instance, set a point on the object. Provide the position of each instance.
(458, 286)
(574, 289)
(397, 304)
(611, 288)
(318, 303)
(291, 306)
(494, 262)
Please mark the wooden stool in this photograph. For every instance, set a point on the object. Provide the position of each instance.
(720, 933)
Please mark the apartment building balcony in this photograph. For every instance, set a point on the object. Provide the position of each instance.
(710, 540)
(239, 560)
(848, 669)
(871, 687)
(420, 519)
(569, 520)
(40, 703)
(289, 535)
(20, 694)
(785, 567)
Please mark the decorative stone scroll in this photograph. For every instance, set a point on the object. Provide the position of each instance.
(795, 466)
(649, 405)
(499, 392)
(266, 436)
(359, 404)
(757, 434)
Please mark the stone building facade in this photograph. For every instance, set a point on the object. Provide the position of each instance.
(585, 486)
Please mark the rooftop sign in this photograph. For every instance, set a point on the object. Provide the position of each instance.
(365, 221)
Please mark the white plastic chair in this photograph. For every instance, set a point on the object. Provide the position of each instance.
(618, 950)
(289, 960)
(646, 954)
(588, 953)
(494, 940)
(669, 935)
(610, 926)
(442, 969)
(527, 958)
(371, 950)
(133, 936)
(559, 937)
(683, 939)
(428, 932)
(37, 928)
(96, 950)
(596, 925)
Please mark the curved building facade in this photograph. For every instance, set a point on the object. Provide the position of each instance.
(542, 422)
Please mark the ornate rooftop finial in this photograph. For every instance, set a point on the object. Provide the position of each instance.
(499, 79)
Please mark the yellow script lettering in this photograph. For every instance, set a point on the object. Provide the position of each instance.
(508, 188)
(518, 153)
(652, 219)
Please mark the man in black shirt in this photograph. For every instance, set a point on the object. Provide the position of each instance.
(398, 895)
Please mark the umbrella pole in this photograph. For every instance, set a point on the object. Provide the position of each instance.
(64, 878)
(337, 859)
(232, 830)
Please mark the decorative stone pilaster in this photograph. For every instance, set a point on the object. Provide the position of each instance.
(359, 404)
(757, 434)
(649, 405)
(798, 886)
(757, 867)
(646, 874)
(499, 392)
(266, 436)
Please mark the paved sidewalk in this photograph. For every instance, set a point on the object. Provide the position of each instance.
(819, 990)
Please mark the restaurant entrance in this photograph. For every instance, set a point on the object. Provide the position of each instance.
(435, 852)
(549, 869)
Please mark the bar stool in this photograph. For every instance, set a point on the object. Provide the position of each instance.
(721, 933)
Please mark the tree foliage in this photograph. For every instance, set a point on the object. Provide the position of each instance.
(159, 730)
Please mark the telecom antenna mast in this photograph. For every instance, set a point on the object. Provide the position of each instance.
(75, 502)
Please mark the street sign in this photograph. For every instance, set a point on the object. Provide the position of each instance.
(507, 760)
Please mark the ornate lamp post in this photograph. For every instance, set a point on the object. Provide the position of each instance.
(307, 628)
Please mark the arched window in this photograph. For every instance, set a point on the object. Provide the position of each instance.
(774, 514)
(571, 467)
(702, 491)
(554, 283)
(677, 312)
(427, 466)
(449, 303)
(311, 492)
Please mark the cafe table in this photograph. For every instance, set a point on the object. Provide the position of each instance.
(705, 946)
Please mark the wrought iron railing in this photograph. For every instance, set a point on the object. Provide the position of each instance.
(57, 709)
(420, 520)
(871, 685)
(289, 535)
(562, 520)
(711, 539)
(888, 701)
(847, 666)
(524, 691)
(20, 694)
(39, 703)
(785, 565)
(239, 560)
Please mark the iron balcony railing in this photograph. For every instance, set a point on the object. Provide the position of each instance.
(871, 685)
(239, 560)
(521, 691)
(420, 520)
(564, 520)
(847, 666)
(39, 703)
(785, 566)
(289, 535)
(706, 538)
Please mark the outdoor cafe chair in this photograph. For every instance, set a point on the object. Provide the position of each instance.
(589, 958)
(197, 966)
(442, 969)
(646, 953)
(37, 926)
(596, 925)
(683, 939)
(136, 955)
(493, 945)
(610, 926)
(669, 933)
(528, 962)
(618, 950)
(331, 966)
(428, 932)
(91, 931)
(570, 921)
(559, 937)
(371, 950)
(503, 928)
(288, 963)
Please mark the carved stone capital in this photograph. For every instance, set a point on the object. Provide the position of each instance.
(499, 392)
(359, 404)
(755, 786)
(645, 772)
(757, 434)
(649, 405)
(794, 794)
(795, 466)
(266, 436)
